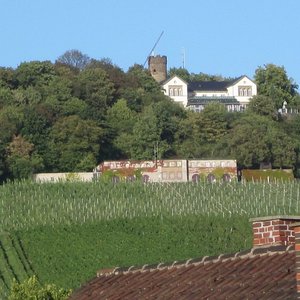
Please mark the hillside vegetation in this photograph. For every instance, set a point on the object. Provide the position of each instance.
(65, 232)
(62, 117)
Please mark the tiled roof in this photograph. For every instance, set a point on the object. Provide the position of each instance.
(209, 86)
(213, 86)
(260, 273)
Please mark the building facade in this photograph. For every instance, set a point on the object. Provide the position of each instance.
(234, 94)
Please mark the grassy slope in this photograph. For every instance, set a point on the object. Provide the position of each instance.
(70, 255)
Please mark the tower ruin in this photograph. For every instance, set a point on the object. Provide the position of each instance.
(158, 67)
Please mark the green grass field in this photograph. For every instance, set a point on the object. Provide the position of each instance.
(65, 232)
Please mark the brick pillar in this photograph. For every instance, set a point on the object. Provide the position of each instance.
(296, 228)
(270, 231)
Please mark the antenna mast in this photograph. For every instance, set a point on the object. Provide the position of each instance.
(183, 58)
(153, 48)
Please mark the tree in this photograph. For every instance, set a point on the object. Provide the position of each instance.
(201, 133)
(73, 141)
(272, 81)
(11, 119)
(181, 72)
(187, 142)
(34, 73)
(7, 78)
(138, 77)
(264, 106)
(21, 160)
(74, 58)
(60, 101)
(6, 96)
(120, 121)
(168, 114)
(94, 87)
(120, 117)
(249, 140)
(283, 149)
(146, 136)
(207, 77)
(31, 289)
(256, 139)
(291, 127)
(115, 74)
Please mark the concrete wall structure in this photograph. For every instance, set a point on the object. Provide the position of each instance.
(56, 177)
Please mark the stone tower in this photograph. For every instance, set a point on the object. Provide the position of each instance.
(158, 67)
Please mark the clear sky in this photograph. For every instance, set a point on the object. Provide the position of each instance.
(230, 38)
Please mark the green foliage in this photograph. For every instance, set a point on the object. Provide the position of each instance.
(73, 143)
(65, 232)
(125, 115)
(264, 106)
(95, 88)
(181, 72)
(34, 73)
(272, 81)
(21, 160)
(72, 177)
(201, 134)
(85, 249)
(255, 139)
(146, 134)
(30, 289)
(81, 202)
(270, 175)
(121, 174)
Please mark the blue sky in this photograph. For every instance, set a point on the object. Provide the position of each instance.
(229, 38)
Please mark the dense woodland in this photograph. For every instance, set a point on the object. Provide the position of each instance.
(69, 115)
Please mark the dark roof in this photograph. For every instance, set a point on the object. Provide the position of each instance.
(212, 86)
(207, 99)
(261, 273)
(208, 86)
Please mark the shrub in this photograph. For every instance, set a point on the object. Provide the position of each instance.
(31, 289)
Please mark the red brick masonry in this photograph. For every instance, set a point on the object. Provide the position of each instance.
(273, 230)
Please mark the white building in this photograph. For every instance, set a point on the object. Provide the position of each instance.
(234, 94)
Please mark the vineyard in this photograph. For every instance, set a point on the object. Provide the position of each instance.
(25, 205)
(65, 232)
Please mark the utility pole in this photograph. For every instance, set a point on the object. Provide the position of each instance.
(155, 150)
(183, 57)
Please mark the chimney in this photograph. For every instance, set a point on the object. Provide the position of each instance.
(274, 230)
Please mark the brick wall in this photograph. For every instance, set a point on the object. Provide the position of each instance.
(296, 228)
(276, 230)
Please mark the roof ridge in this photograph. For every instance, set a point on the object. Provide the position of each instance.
(249, 253)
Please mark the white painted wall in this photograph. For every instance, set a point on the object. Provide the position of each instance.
(176, 82)
(243, 82)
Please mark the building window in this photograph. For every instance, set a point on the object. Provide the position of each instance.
(245, 91)
(172, 164)
(179, 175)
(195, 178)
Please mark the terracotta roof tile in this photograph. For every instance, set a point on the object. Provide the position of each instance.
(262, 273)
